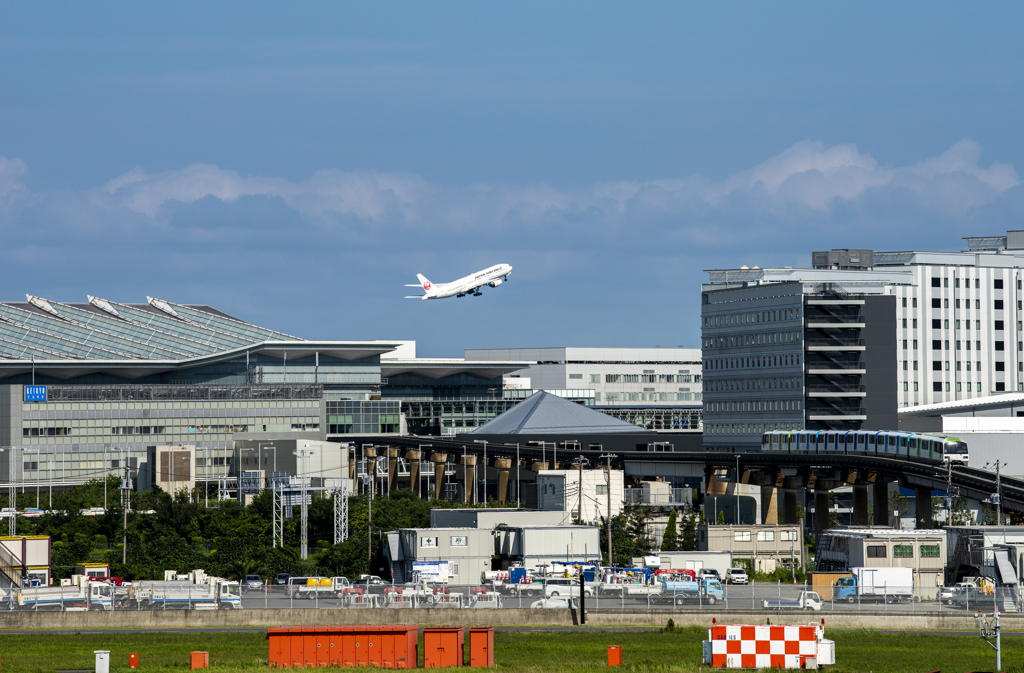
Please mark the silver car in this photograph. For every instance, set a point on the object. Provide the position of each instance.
(737, 576)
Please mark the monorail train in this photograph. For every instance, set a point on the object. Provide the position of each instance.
(926, 447)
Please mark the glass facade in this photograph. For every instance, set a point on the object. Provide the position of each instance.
(363, 417)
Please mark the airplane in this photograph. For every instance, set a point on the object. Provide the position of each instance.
(471, 284)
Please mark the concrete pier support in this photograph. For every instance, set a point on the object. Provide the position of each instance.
(392, 468)
(860, 506)
(821, 512)
(769, 505)
(880, 495)
(503, 465)
(923, 508)
(439, 460)
(469, 479)
(789, 503)
(414, 471)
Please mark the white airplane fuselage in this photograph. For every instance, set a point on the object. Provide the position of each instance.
(471, 284)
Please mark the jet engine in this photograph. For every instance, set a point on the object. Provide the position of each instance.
(495, 283)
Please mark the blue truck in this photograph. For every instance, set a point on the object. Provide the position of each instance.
(707, 590)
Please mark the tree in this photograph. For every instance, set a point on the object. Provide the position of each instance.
(669, 540)
(689, 539)
(721, 518)
(899, 505)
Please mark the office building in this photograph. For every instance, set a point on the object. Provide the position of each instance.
(792, 349)
(654, 388)
(959, 319)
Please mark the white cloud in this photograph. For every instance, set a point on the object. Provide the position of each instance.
(807, 180)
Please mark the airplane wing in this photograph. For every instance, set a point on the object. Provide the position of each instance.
(414, 285)
(422, 296)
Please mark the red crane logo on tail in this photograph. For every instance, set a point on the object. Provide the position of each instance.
(426, 286)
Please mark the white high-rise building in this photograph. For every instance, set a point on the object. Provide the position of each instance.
(959, 323)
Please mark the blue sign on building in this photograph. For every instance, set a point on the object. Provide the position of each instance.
(35, 393)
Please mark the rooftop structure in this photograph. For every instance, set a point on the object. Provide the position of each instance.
(545, 413)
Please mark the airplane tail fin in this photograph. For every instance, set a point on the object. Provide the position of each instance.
(424, 283)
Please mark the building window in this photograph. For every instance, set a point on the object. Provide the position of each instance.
(595, 378)
(936, 303)
(576, 376)
(915, 365)
(958, 387)
(937, 387)
(876, 551)
(936, 344)
(788, 535)
(936, 323)
(998, 283)
(1000, 387)
(904, 365)
(968, 383)
(999, 304)
(904, 323)
(904, 385)
(904, 306)
(913, 302)
(913, 322)
(958, 365)
(741, 536)
(929, 551)
(999, 325)
(765, 536)
(915, 385)
(915, 344)
(999, 345)
(936, 365)
(936, 282)
(904, 344)
(903, 551)
(1000, 366)
(947, 386)
(602, 489)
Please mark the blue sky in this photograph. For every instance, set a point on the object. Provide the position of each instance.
(296, 164)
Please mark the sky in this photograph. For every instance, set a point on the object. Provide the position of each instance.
(296, 164)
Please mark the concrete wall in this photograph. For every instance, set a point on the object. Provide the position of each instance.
(158, 619)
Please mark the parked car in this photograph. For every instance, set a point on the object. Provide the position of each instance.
(708, 573)
(737, 576)
(282, 578)
(563, 603)
(252, 582)
(563, 586)
(945, 595)
(370, 584)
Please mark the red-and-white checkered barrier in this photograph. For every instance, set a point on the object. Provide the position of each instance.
(737, 646)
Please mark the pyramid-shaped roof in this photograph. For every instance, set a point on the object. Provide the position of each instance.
(544, 413)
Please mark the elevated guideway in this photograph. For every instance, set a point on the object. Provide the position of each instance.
(784, 469)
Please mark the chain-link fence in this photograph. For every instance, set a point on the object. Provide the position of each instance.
(548, 594)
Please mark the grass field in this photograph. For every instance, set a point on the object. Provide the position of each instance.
(529, 652)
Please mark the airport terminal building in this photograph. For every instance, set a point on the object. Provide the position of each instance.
(186, 394)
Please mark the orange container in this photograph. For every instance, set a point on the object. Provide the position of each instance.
(133, 660)
(372, 645)
(614, 655)
(481, 646)
(200, 660)
(442, 647)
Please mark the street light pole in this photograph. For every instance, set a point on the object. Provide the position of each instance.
(736, 485)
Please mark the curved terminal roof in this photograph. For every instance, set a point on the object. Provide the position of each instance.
(65, 340)
(544, 413)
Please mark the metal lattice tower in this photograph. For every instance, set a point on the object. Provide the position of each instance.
(340, 515)
(277, 515)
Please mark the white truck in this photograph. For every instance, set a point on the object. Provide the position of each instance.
(85, 596)
(892, 585)
(209, 594)
(807, 600)
(322, 587)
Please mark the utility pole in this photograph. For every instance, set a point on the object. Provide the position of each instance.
(996, 496)
(303, 456)
(369, 528)
(608, 518)
(580, 460)
(126, 485)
